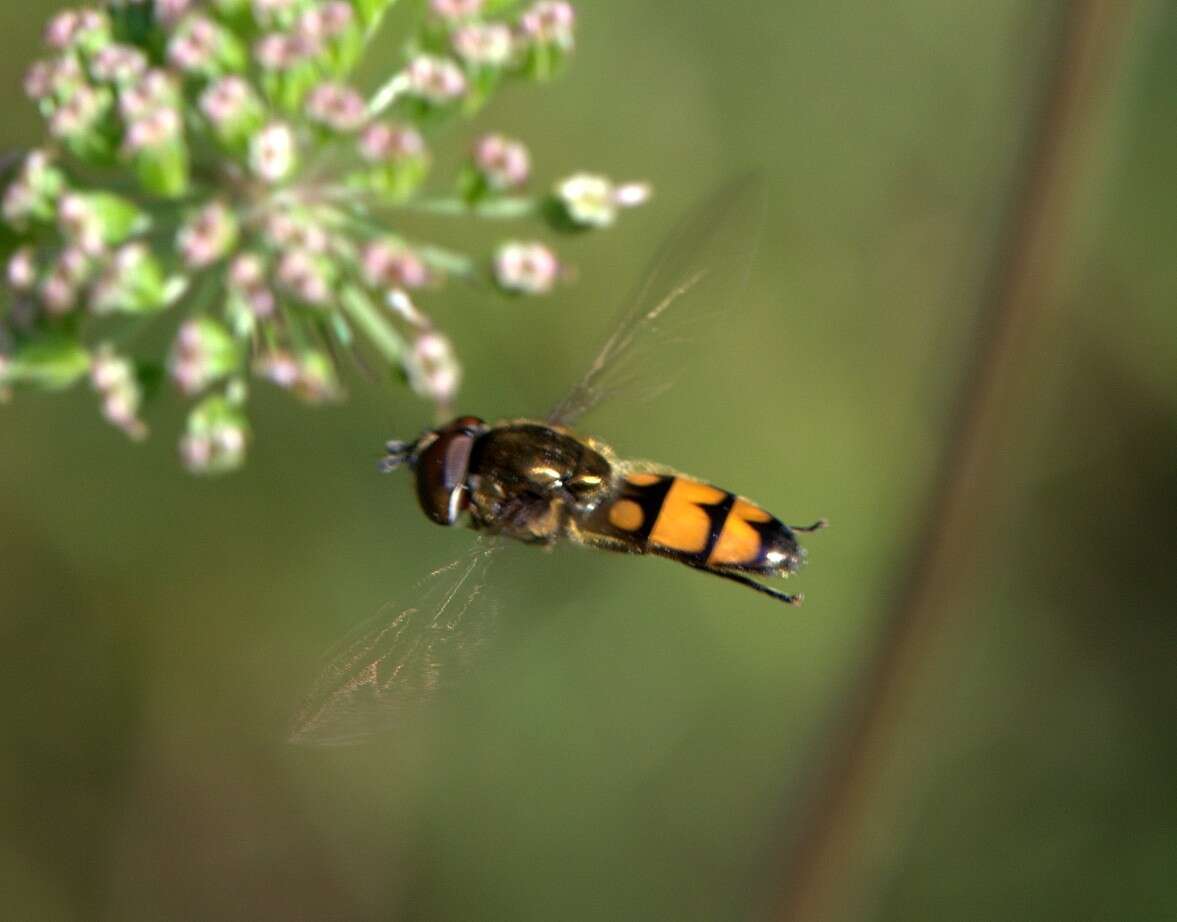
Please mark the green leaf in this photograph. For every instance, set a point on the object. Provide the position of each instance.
(119, 217)
(370, 11)
(52, 362)
(163, 170)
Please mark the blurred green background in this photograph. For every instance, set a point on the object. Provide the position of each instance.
(643, 740)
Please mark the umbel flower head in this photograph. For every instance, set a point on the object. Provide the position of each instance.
(214, 162)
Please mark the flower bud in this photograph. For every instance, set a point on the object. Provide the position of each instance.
(80, 224)
(156, 90)
(307, 276)
(113, 377)
(249, 289)
(233, 110)
(77, 120)
(484, 44)
(434, 80)
(502, 162)
(85, 29)
(22, 269)
(273, 152)
(155, 145)
(33, 193)
(389, 264)
(118, 64)
(209, 236)
(398, 157)
(433, 369)
(296, 231)
(316, 381)
(547, 31)
(202, 352)
(455, 10)
(529, 268)
(588, 200)
(201, 46)
(170, 13)
(334, 19)
(216, 437)
(385, 141)
(50, 82)
(93, 221)
(131, 282)
(278, 367)
(337, 107)
(550, 22)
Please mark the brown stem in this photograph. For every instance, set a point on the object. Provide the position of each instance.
(1014, 306)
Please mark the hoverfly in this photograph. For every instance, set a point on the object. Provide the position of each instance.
(538, 482)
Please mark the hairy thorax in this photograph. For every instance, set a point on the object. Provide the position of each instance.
(529, 480)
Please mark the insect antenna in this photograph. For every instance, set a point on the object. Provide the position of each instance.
(398, 453)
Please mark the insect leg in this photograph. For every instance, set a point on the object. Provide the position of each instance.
(744, 580)
(816, 526)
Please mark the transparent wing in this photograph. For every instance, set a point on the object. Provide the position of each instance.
(404, 655)
(697, 274)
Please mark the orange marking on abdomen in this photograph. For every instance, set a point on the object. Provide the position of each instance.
(643, 480)
(681, 525)
(739, 543)
(626, 515)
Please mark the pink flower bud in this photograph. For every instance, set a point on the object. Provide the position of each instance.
(152, 130)
(302, 274)
(272, 152)
(437, 80)
(505, 163)
(335, 18)
(530, 268)
(338, 107)
(247, 271)
(227, 100)
(384, 141)
(157, 89)
(550, 22)
(209, 236)
(488, 44)
(390, 264)
(194, 45)
(433, 368)
(274, 52)
(22, 269)
(170, 12)
(118, 63)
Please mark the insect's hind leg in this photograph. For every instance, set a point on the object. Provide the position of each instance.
(816, 526)
(745, 580)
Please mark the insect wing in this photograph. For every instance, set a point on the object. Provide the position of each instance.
(404, 655)
(697, 273)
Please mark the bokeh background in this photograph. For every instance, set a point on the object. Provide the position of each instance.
(644, 742)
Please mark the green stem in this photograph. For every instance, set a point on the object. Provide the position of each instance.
(365, 314)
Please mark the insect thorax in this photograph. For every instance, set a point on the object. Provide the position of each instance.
(527, 479)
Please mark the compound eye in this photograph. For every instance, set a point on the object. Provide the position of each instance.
(471, 425)
(441, 476)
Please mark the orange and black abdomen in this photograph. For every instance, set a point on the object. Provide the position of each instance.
(696, 523)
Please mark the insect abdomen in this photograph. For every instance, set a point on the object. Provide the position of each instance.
(697, 523)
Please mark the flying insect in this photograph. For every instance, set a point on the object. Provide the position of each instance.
(538, 482)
